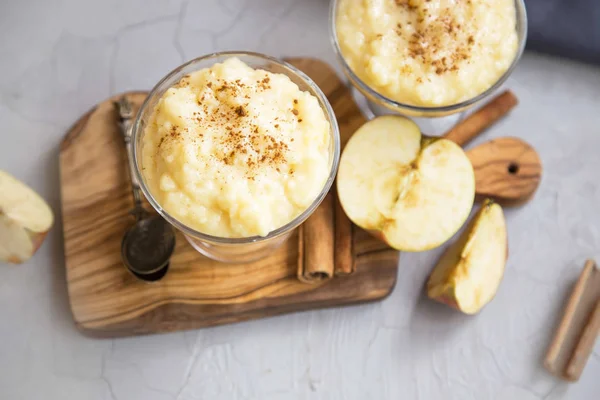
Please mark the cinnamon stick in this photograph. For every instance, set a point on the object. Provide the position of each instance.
(344, 252)
(316, 244)
(474, 124)
(570, 348)
(584, 348)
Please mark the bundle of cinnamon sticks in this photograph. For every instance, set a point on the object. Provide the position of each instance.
(580, 326)
(325, 243)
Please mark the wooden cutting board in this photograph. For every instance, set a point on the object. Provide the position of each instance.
(106, 300)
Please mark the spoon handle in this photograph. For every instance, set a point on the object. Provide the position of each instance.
(125, 123)
(507, 169)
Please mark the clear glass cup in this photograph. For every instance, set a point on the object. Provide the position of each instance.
(431, 120)
(248, 248)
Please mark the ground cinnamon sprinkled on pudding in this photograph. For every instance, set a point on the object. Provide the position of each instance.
(224, 151)
(428, 52)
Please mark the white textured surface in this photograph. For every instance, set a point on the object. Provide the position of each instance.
(61, 57)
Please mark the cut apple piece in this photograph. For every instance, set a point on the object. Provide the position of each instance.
(413, 192)
(469, 272)
(25, 219)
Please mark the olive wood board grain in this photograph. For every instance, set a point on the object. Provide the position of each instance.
(107, 301)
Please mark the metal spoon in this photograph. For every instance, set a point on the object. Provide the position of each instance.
(148, 245)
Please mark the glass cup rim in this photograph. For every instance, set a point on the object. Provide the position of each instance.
(334, 131)
(521, 19)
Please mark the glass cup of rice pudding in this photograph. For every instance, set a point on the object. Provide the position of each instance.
(236, 149)
(430, 60)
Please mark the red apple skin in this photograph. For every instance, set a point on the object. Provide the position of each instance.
(448, 300)
(377, 235)
(37, 239)
(447, 297)
(14, 260)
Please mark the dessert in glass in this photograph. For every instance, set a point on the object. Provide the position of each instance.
(430, 60)
(236, 149)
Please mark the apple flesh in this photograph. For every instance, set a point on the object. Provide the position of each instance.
(411, 191)
(470, 271)
(25, 219)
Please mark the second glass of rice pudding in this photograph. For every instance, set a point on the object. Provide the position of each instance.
(430, 60)
(236, 149)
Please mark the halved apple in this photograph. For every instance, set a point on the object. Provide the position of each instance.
(412, 191)
(469, 273)
(25, 219)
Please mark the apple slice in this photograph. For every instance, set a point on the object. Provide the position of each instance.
(412, 191)
(469, 272)
(25, 219)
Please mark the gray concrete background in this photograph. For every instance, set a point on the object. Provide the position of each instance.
(59, 58)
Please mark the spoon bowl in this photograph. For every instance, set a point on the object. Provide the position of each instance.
(147, 247)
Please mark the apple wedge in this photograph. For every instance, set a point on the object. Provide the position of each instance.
(469, 272)
(412, 191)
(25, 219)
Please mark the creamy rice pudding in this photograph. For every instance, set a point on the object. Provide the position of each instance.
(428, 53)
(233, 151)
